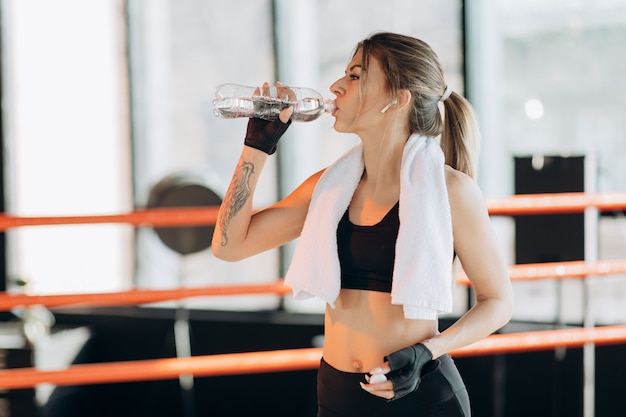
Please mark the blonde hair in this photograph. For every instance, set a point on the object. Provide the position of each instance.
(411, 64)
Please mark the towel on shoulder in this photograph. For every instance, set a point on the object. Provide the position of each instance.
(422, 274)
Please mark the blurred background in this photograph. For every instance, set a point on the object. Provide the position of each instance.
(106, 109)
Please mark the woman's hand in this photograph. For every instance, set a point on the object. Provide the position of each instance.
(400, 375)
(263, 134)
(378, 383)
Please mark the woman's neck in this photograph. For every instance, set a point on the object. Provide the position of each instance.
(382, 157)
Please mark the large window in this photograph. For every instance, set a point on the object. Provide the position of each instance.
(67, 143)
(179, 52)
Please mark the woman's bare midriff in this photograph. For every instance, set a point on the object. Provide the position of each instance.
(364, 327)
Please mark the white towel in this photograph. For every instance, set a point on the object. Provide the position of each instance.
(422, 274)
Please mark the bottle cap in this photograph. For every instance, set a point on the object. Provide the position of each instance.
(329, 105)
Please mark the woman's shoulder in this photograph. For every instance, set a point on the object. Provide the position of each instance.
(305, 190)
(311, 182)
(456, 178)
(461, 187)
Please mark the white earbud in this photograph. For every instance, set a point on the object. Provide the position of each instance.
(384, 109)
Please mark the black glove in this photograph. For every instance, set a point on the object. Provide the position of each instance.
(264, 135)
(406, 368)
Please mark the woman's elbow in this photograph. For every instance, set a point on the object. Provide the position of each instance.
(220, 248)
(500, 308)
(507, 315)
(506, 308)
(224, 254)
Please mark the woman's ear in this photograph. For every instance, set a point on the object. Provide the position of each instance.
(404, 98)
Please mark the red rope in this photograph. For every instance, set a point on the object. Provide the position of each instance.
(525, 204)
(527, 272)
(284, 360)
(188, 216)
(163, 217)
(137, 296)
(560, 270)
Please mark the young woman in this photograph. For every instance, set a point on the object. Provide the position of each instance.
(379, 233)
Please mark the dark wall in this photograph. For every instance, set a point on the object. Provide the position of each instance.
(551, 237)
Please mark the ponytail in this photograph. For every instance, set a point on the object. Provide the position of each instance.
(460, 138)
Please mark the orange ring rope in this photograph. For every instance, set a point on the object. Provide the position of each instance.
(143, 370)
(544, 340)
(285, 360)
(10, 301)
(169, 217)
(526, 204)
(164, 217)
(559, 270)
(526, 272)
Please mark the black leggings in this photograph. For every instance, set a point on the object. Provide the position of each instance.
(441, 393)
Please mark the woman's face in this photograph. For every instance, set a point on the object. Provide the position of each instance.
(356, 110)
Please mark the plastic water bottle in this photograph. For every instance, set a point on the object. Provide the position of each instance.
(234, 100)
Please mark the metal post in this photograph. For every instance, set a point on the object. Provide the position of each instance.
(591, 255)
(182, 342)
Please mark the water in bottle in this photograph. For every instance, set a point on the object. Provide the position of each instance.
(234, 100)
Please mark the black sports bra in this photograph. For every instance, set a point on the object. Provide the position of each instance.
(367, 253)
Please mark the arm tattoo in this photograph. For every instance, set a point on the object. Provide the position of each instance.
(238, 193)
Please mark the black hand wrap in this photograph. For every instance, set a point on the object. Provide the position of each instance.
(264, 135)
(406, 368)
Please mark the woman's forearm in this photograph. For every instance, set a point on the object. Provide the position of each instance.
(484, 318)
(235, 212)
